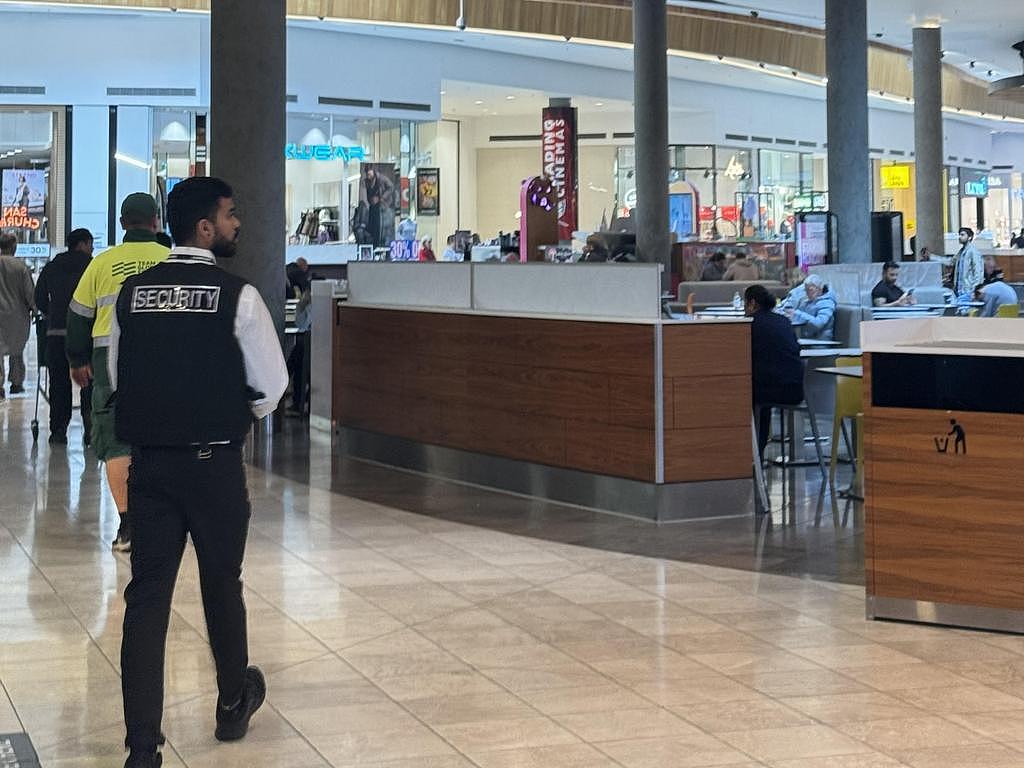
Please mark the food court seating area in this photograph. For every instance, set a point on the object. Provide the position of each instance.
(717, 292)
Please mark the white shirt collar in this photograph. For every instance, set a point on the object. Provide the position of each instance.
(193, 254)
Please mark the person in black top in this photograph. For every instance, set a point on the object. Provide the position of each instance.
(886, 293)
(777, 371)
(194, 356)
(715, 267)
(54, 288)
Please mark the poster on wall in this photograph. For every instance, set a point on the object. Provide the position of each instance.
(812, 244)
(22, 199)
(680, 215)
(558, 145)
(428, 191)
(374, 219)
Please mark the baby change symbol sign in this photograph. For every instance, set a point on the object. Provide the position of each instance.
(958, 436)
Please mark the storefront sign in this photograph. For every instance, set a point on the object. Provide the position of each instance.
(560, 165)
(734, 170)
(895, 177)
(976, 187)
(323, 152)
(15, 217)
(428, 191)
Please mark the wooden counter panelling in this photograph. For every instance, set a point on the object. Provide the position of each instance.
(707, 402)
(568, 394)
(943, 527)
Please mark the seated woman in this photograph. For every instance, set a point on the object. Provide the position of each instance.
(776, 368)
(816, 312)
(714, 269)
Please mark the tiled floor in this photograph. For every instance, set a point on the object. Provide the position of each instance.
(402, 640)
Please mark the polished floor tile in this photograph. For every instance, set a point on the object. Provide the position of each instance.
(405, 622)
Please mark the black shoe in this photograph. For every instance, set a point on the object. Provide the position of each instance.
(58, 438)
(233, 722)
(123, 541)
(17, 389)
(138, 759)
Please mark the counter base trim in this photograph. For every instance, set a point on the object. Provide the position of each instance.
(945, 614)
(664, 503)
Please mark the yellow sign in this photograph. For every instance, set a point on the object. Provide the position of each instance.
(895, 177)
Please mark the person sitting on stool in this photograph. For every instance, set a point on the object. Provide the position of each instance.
(194, 357)
(776, 368)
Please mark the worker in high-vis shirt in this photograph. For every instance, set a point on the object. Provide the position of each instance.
(90, 318)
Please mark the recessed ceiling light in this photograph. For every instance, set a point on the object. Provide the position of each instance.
(478, 102)
(443, 92)
(511, 98)
(598, 103)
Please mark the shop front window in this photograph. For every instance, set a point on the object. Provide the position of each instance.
(174, 135)
(693, 168)
(31, 184)
(1000, 208)
(625, 181)
(785, 188)
(953, 199)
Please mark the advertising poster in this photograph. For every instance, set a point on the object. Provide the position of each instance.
(22, 199)
(680, 215)
(428, 191)
(559, 145)
(812, 240)
(374, 220)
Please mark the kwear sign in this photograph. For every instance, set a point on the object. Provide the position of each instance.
(559, 147)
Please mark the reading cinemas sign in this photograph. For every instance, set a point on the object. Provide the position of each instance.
(560, 165)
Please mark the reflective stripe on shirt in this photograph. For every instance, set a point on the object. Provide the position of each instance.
(81, 309)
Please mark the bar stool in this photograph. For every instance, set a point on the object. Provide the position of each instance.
(785, 410)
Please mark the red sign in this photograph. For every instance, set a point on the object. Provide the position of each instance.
(16, 217)
(560, 165)
(707, 213)
(729, 212)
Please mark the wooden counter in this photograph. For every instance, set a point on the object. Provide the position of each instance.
(566, 393)
(944, 523)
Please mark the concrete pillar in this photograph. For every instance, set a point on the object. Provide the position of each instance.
(247, 135)
(650, 72)
(849, 162)
(928, 138)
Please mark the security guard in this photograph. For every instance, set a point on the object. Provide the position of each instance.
(194, 356)
(88, 337)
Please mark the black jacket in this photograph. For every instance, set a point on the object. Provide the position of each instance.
(55, 287)
(776, 367)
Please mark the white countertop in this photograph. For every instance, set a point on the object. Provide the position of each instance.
(544, 316)
(963, 336)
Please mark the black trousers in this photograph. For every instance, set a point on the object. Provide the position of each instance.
(60, 389)
(173, 493)
(763, 416)
(298, 367)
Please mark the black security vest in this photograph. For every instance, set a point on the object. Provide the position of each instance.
(180, 372)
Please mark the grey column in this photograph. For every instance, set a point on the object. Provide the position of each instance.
(849, 162)
(650, 72)
(247, 135)
(928, 136)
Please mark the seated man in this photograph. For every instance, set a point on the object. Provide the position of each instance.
(886, 293)
(715, 267)
(777, 372)
(742, 268)
(994, 291)
(816, 312)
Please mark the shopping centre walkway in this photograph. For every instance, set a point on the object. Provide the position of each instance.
(484, 633)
